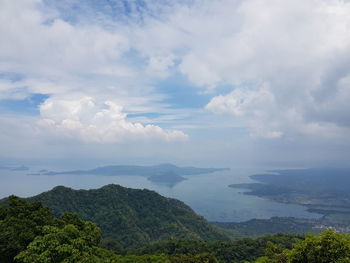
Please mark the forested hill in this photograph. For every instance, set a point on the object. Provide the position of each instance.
(130, 216)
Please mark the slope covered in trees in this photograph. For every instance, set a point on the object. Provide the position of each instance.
(274, 225)
(131, 217)
(247, 249)
(29, 233)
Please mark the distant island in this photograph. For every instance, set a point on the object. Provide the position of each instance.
(168, 178)
(324, 191)
(162, 173)
(14, 168)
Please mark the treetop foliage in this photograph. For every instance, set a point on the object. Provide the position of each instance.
(328, 247)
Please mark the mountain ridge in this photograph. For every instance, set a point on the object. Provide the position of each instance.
(131, 217)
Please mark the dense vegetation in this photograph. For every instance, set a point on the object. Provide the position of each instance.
(328, 247)
(247, 249)
(131, 217)
(20, 223)
(29, 233)
(274, 225)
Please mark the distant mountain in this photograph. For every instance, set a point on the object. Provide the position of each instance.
(114, 170)
(131, 217)
(167, 173)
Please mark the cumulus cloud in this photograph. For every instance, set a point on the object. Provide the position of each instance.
(42, 44)
(55, 57)
(252, 105)
(299, 49)
(242, 101)
(90, 121)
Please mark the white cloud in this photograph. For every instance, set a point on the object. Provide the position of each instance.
(12, 90)
(242, 101)
(253, 107)
(90, 121)
(38, 44)
(160, 65)
(298, 49)
(83, 60)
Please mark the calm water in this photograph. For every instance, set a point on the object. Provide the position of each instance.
(208, 194)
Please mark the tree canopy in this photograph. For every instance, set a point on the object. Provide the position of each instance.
(70, 240)
(29, 233)
(20, 223)
(328, 247)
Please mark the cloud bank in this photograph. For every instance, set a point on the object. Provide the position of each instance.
(105, 123)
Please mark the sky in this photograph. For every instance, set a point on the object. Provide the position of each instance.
(193, 82)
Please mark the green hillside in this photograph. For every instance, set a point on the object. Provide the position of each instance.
(130, 216)
(29, 233)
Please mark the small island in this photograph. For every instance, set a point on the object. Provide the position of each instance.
(168, 178)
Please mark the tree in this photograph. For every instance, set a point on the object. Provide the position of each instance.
(20, 223)
(328, 247)
(30, 234)
(325, 248)
(200, 258)
(71, 240)
(274, 253)
(113, 245)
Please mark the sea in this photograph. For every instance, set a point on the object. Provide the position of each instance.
(207, 194)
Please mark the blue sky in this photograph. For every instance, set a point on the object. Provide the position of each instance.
(220, 82)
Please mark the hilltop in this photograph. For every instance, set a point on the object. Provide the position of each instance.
(131, 217)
